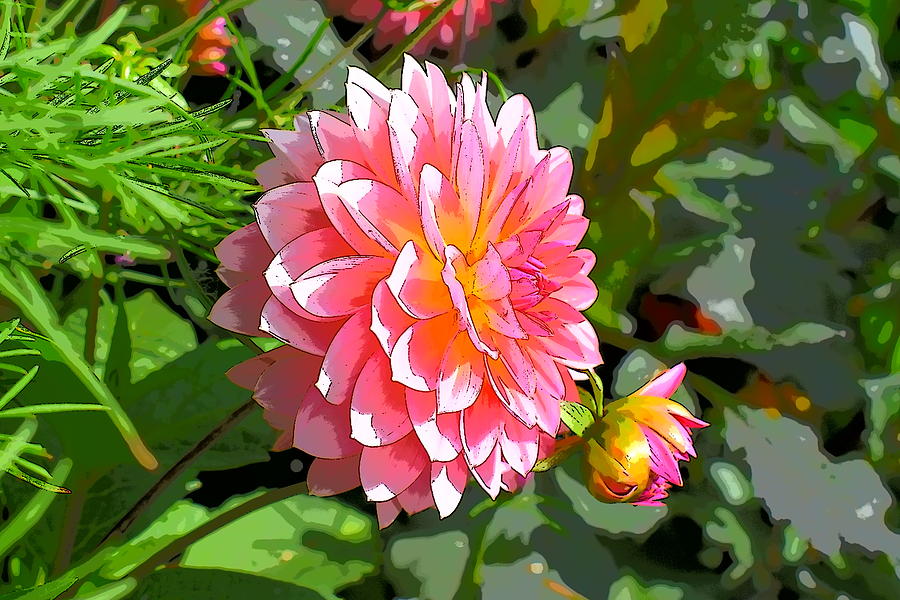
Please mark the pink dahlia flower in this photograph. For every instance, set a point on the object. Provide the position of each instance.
(464, 19)
(634, 456)
(419, 260)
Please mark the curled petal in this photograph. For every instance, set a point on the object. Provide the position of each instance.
(340, 286)
(286, 212)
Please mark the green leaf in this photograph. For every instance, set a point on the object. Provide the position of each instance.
(577, 417)
(310, 542)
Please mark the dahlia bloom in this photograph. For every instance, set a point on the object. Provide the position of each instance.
(464, 19)
(419, 260)
(634, 455)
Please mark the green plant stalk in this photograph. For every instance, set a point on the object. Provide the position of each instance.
(20, 286)
(395, 53)
(362, 35)
(33, 511)
(178, 546)
(134, 513)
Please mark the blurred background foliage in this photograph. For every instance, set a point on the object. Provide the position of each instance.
(740, 164)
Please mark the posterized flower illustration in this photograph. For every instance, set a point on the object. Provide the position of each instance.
(419, 259)
(464, 20)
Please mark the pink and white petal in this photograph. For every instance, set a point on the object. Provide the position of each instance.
(340, 286)
(461, 375)
(549, 380)
(417, 497)
(385, 471)
(416, 357)
(286, 212)
(499, 316)
(378, 415)
(323, 429)
(460, 301)
(369, 117)
(448, 481)
(445, 219)
(416, 283)
(370, 84)
(329, 179)
(389, 320)
(296, 155)
(516, 110)
(574, 344)
(387, 512)
(480, 426)
(579, 292)
(304, 334)
(489, 473)
(415, 82)
(439, 433)
(378, 210)
(662, 460)
(299, 256)
(239, 308)
(334, 136)
(329, 477)
(348, 351)
(244, 255)
(664, 384)
(491, 278)
(470, 179)
(519, 445)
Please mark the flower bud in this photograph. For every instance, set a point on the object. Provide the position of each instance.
(633, 454)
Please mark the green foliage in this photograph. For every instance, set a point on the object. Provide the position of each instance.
(740, 166)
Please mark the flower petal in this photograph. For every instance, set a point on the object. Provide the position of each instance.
(348, 351)
(385, 471)
(664, 384)
(239, 308)
(286, 212)
(416, 283)
(323, 429)
(448, 481)
(378, 415)
(439, 433)
(340, 286)
(417, 355)
(461, 375)
(480, 427)
(329, 477)
(289, 327)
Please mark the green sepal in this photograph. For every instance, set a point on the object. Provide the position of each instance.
(577, 417)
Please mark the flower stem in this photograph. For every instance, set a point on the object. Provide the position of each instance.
(176, 470)
(395, 53)
(178, 546)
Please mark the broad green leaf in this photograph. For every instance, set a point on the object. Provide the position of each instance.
(842, 502)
